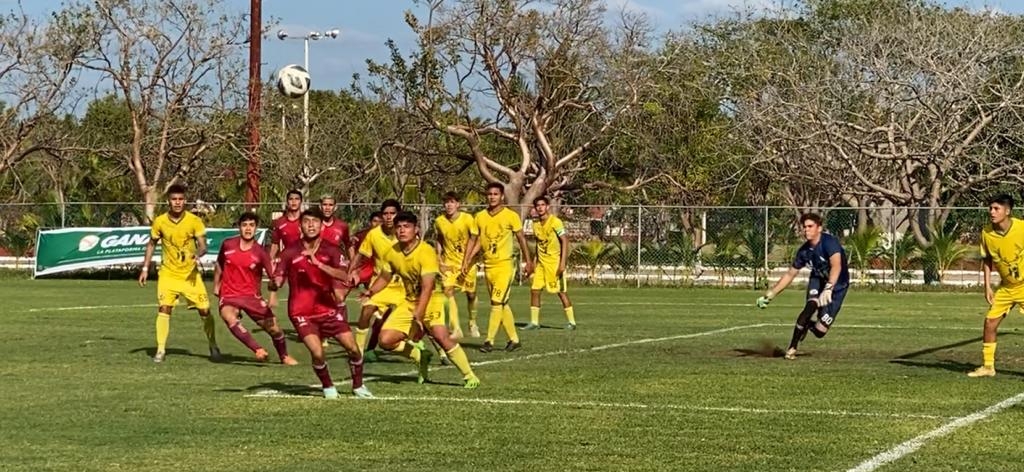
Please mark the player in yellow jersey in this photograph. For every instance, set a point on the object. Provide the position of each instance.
(552, 251)
(182, 238)
(377, 243)
(1002, 248)
(414, 263)
(454, 229)
(498, 225)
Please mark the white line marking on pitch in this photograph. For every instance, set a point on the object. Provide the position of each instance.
(908, 447)
(616, 405)
(95, 307)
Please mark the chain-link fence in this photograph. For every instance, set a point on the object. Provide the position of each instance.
(643, 245)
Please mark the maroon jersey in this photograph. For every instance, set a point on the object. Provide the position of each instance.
(335, 232)
(285, 232)
(241, 270)
(311, 292)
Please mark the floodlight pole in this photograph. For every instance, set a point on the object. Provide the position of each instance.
(314, 35)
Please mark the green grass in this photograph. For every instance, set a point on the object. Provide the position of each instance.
(78, 391)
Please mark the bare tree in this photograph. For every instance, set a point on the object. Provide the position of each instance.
(179, 68)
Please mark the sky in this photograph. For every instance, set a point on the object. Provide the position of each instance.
(366, 25)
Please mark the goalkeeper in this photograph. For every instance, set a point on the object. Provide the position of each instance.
(826, 287)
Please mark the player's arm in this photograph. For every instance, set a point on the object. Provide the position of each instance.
(439, 247)
(563, 239)
(200, 235)
(379, 283)
(154, 236)
(275, 243)
(365, 252)
(987, 266)
(426, 291)
(835, 268)
(218, 271)
(278, 279)
(525, 251)
(472, 247)
(781, 285)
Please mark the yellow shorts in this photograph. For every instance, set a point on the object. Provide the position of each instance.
(1004, 300)
(384, 300)
(546, 277)
(451, 278)
(401, 318)
(192, 289)
(499, 281)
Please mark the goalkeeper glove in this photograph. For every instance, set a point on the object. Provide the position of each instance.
(826, 296)
(763, 302)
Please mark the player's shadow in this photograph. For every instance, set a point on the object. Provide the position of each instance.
(226, 358)
(278, 387)
(770, 351)
(908, 359)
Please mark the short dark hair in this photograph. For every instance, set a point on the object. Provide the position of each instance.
(451, 196)
(313, 212)
(328, 196)
(1003, 199)
(541, 198)
(376, 214)
(391, 203)
(496, 185)
(295, 192)
(816, 218)
(407, 217)
(176, 188)
(248, 216)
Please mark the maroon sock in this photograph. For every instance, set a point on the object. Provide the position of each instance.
(324, 375)
(375, 331)
(356, 368)
(280, 346)
(244, 336)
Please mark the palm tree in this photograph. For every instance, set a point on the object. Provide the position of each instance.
(944, 251)
(863, 246)
(592, 255)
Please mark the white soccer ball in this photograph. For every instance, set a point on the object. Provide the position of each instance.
(293, 81)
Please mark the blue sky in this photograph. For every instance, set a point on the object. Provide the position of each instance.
(365, 25)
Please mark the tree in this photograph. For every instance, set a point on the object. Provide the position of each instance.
(177, 66)
(539, 82)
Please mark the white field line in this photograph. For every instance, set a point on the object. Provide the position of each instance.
(102, 307)
(903, 449)
(270, 393)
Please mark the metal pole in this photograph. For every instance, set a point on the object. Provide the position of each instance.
(639, 213)
(766, 235)
(252, 173)
(305, 109)
(895, 263)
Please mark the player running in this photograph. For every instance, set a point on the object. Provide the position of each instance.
(826, 287)
(236, 282)
(316, 301)
(552, 252)
(182, 238)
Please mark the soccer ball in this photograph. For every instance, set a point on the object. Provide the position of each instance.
(293, 81)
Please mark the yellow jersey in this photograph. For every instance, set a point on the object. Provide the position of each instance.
(177, 243)
(549, 245)
(455, 235)
(496, 235)
(1005, 250)
(410, 267)
(376, 245)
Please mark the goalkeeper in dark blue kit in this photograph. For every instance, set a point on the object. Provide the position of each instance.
(826, 288)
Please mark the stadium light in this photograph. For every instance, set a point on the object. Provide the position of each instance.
(314, 35)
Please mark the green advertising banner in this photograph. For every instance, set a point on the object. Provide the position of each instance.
(62, 250)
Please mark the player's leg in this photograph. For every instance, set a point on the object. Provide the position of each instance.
(455, 352)
(1002, 303)
(269, 324)
(230, 312)
(163, 331)
(366, 315)
(562, 289)
(394, 335)
(827, 314)
(369, 354)
(337, 327)
(497, 309)
(309, 332)
(536, 285)
(194, 291)
(804, 318)
(474, 328)
(508, 320)
(449, 283)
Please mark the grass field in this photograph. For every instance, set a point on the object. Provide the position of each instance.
(654, 379)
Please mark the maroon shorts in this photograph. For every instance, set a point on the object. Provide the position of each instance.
(325, 326)
(254, 306)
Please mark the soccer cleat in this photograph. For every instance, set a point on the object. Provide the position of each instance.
(531, 327)
(472, 382)
(456, 334)
(215, 354)
(289, 360)
(370, 356)
(487, 347)
(983, 371)
(511, 346)
(790, 354)
(159, 356)
(261, 355)
(474, 331)
(425, 357)
(570, 326)
(330, 393)
(362, 392)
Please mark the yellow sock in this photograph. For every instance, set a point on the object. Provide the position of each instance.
(988, 353)
(458, 357)
(210, 328)
(510, 324)
(569, 315)
(408, 350)
(163, 330)
(492, 326)
(362, 336)
(453, 312)
(471, 309)
(535, 315)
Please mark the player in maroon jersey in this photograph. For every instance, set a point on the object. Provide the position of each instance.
(335, 229)
(285, 230)
(236, 282)
(317, 273)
